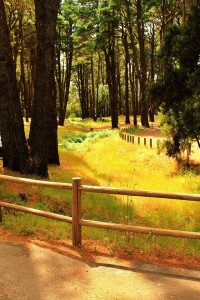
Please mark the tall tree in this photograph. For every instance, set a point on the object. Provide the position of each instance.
(83, 90)
(125, 42)
(44, 106)
(134, 69)
(106, 40)
(21, 23)
(11, 123)
(64, 56)
(178, 89)
(143, 64)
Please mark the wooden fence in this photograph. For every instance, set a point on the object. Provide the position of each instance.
(77, 222)
(130, 138)
(126, 135)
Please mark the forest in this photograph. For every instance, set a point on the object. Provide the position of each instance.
(94, 59)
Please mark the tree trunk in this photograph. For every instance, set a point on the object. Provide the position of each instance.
(125, 44)
(143, 76)
(133, 92)
(112, 85)
(93, 114)
(40, 131)
(111, 73)
(59, 82)
(16, 156)
(53, 143)
(83, 90)
(64, 74)
(67, 82)
(152, 73)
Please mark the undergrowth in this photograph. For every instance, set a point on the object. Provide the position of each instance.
(73, 141)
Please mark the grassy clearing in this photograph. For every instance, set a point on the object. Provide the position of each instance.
(102, 158)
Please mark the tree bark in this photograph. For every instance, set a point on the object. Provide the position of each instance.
(53, 157)
(16, 156)
(93, 102)
(143, 68)
(111, 74)
(133, 85)
(40, 130)
(127, 59)
(82, 82)
(64, 75)
(112, 85)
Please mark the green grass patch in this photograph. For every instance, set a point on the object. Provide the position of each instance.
(134, 130)
(79, 141)
(26, 224)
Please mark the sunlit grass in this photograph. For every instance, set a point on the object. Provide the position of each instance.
(110, 161)
(114, 162)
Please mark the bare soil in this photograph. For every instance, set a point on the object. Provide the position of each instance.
(100, 252)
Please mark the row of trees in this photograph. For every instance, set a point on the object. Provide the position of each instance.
(114, 44)
(106, 50)
(99, 43)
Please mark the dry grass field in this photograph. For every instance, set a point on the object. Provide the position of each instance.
(101, 157)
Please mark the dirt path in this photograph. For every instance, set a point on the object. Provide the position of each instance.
(153, 132)
(28, 271)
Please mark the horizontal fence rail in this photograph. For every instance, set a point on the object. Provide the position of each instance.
(150, 194)
(77, 222)
(37, 212)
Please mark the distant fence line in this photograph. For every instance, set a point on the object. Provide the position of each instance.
(77, 222)
(154, 142)
(130, 138)
(126, 135)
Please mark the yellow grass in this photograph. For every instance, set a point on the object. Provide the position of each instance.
(112, 161)
(117, 163)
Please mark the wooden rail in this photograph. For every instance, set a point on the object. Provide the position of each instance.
(77, 188)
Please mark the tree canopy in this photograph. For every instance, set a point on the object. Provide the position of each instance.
(179, 84)
(128, 57)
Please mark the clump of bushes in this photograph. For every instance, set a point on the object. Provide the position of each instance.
(78, 141)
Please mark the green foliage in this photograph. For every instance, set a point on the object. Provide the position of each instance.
(103, 98)
(133, 130)
(107, 22)
(72, 142)
(78, 138)
(73, 107)
(177, 91)
(171, 150)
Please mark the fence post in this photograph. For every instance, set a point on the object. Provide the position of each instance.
(150, 143)
(138, 140)
(1, 215)
(76, 211)
(145, 141)
(158, 144)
